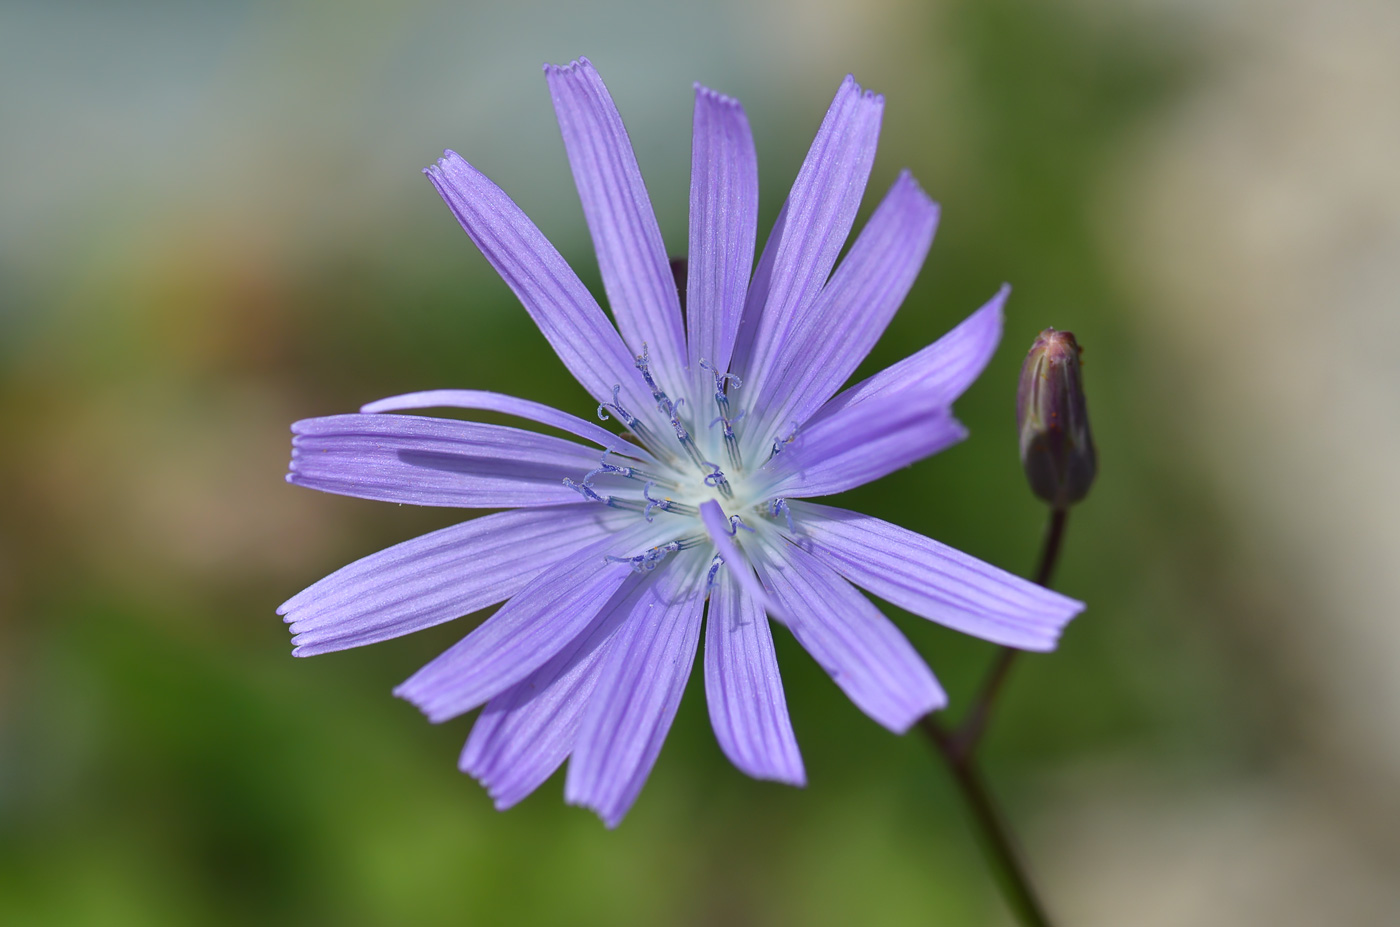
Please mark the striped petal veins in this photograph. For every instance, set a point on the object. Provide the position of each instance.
(677, 513)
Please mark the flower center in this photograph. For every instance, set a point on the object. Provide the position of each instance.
(691, 469)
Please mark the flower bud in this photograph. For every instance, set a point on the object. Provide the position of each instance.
(1057, 450)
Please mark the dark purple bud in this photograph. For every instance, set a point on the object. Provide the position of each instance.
(1057, 449)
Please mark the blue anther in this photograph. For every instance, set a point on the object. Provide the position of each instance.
(715, 564)
(735, 523)
(587, 492)
(729, 423)
(721, 379)
(633, 423)
(605, 467)
(662, 504)
(716, 479)
(648, 560)
(722, 403)
(780, 507)
(615, 407)
(663, 403)
(683, 436)
(780, 443)
(731, 443)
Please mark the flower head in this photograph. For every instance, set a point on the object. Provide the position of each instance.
(615, 545)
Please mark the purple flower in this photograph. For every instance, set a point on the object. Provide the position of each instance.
(613, 544)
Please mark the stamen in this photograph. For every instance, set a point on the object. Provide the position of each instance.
(780, 507)
(631, 473)
(665, 505)
(666, 407)
(735, 523)
(683, 436)
(630, 421)
(642, 362)
(608, 468)
(780, 443)
(731, 443)
(729, 421)
(662, 504)
(650, 559)
(586, 489)
(588, 492)
(716, 479)
(721, 378)
(615, 407)
(715, 564)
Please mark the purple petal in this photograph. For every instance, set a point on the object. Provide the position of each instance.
(643, 677)
(723, 533)
(631, 256)
(931, 579)
(509, 405)
(435, 461)
(855, 446)
(812, 227)
(827, 343)
(944, 369)
(723, 225)
(525, 733)
(743, 689)
(440, 576)
(862, 650)
(529, 629)
(559, 303)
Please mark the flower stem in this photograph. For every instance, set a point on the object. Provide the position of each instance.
(996, 836)
(959, 747)
(1050, 547)
(974, 723)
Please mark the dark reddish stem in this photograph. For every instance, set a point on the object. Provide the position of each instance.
(974, 723)
(959, 748)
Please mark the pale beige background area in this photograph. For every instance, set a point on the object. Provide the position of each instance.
(1265, 257)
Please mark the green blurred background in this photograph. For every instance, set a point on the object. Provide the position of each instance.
(212, 224)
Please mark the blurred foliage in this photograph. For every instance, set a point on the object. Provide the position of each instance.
(165, 762)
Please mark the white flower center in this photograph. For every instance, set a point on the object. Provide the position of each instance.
(699, 460)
